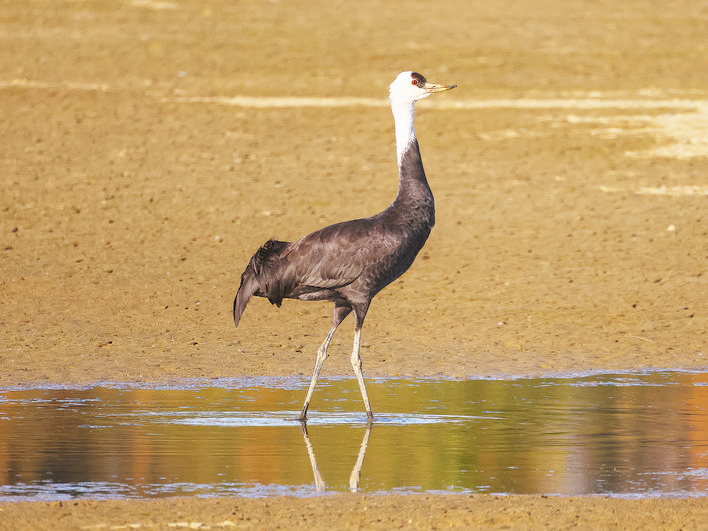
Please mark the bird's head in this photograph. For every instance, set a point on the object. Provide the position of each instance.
(410, 87)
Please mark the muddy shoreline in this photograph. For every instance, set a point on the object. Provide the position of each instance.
(346, 511)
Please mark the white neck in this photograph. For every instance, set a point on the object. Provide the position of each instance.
(403, 119)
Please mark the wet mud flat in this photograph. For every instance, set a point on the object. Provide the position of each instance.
(356, 511)
(567, 167)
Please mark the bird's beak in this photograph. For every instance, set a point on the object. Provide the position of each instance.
(432, 88)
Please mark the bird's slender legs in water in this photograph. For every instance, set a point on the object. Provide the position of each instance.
(321, 357)
(356, 364)
(340, 312)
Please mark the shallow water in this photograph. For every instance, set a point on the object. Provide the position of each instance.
(628, 435)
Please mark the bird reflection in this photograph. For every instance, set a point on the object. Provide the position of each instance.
(354, 477)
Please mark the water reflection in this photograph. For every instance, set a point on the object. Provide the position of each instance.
(354, 477)
(626, 435)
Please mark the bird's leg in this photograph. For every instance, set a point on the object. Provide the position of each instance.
(321, 357)
(356, 364)
(340, 312)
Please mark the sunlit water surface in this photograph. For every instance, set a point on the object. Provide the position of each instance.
(626, 435)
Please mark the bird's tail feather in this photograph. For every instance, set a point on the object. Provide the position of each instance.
(261, 277)
(249, 286)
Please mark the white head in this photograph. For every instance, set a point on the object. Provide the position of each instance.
(410, 87)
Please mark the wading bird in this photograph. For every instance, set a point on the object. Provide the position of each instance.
(348, 263)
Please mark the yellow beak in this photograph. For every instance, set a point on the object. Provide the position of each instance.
(432, 88)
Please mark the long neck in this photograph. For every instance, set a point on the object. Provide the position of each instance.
(414, 194)
(403, 114)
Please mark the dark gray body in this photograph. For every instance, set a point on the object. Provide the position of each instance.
(347, 263)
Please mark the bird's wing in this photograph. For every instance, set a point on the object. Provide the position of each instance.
(336, 256)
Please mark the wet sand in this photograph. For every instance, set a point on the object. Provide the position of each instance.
(350, 511)
(569, 169)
